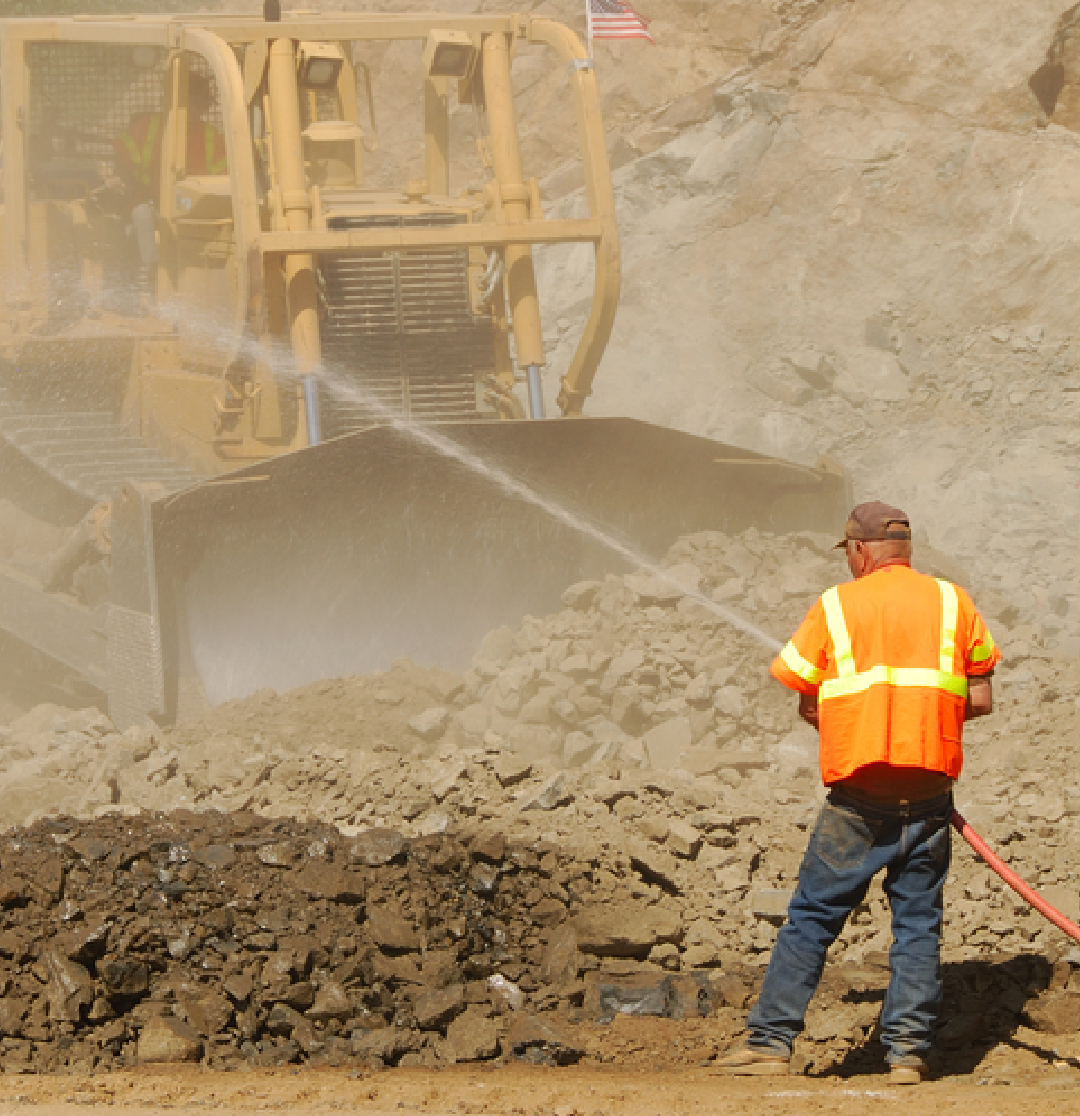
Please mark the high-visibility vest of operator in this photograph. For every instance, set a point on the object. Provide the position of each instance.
(138, 147)
(887, 668)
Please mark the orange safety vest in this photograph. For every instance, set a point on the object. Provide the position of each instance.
(141, 145)
(889, 656)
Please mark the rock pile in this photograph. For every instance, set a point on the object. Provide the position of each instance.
(232, 939)
(634, 736)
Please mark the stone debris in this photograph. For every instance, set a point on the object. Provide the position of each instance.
(606, 810)
(157, 952)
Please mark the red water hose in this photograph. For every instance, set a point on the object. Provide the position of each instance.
(1028, 894)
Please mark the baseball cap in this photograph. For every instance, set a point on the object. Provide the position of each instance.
(874, 521)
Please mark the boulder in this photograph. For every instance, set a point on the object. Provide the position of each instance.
(70, 987)
(376, 847)
(436, 1008)
(389, 930)
(625, 929)
(542, 1041)
(430, 724)
(552, 794)
(1054, 1013)
(13, 1011)
(331, 1002)
(562, 959)
(124, 976)
(165, 1038)
(473, 1036)
(511, 768)
(208, 1012)
(683, 839)
(771, 903)
(534, 743)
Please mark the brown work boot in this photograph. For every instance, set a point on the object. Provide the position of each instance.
(913, 1072)
(751, 1061)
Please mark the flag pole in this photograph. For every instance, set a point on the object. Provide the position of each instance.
(588, 34)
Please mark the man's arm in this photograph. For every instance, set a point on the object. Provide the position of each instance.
(980, 697)
(808, 708)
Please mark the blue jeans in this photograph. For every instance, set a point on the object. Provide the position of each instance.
(851, 843)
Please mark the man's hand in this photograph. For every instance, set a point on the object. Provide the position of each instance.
(808, 708)
(980, 698)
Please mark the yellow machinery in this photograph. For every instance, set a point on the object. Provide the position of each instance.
(266, 399)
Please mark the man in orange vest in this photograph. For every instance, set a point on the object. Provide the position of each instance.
(138, 163)
(887, 668)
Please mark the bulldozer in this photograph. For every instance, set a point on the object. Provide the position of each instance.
(275, 423)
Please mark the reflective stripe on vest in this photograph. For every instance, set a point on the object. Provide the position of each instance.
(141, 159)
(802, 667)
(851, 681)
(984, 650)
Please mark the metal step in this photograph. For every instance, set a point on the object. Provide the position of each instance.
(89, 452)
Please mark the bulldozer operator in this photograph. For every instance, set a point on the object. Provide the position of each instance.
(138, 167)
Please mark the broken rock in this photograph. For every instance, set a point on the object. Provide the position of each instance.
(625, 930)
(542, 1042)
(434, 1009)
(390, 931)
(473, 1036)
(168, 1039)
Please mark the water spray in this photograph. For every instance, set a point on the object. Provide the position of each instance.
(447, 447)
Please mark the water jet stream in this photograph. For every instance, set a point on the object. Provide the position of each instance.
(512, 486)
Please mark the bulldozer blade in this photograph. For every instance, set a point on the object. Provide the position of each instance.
(393, 542)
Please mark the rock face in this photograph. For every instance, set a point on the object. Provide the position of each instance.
(837, 318)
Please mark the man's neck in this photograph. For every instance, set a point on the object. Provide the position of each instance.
(887, 562)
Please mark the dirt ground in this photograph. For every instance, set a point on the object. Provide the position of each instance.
(1013, 1077)
(536, 1091)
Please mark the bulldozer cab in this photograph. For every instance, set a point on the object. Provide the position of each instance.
(196, 190)
(101, 159)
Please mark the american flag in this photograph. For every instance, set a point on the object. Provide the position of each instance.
(616, 19)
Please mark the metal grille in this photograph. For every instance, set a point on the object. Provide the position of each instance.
(134, 666)
(82, 96)
(399, 332)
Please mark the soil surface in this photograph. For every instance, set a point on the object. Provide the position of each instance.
(540, 1091)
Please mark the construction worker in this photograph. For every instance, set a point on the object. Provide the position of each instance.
(138, 147)
(887, 668)
(138, 163)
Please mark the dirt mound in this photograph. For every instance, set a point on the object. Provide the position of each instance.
(233, 940)
(237, 939)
